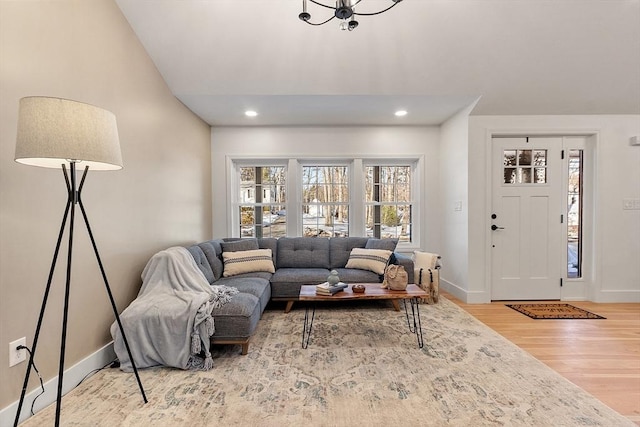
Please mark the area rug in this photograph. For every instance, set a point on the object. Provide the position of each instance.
(362, 368)
(553, 311)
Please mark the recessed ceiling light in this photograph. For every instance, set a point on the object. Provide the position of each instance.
(401, 113)
(250, 113)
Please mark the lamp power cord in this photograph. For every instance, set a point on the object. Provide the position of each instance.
(112, 364)
(35, 368)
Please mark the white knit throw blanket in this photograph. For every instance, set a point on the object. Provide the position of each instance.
(170, 321)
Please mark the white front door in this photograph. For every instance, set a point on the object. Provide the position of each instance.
(526, 224)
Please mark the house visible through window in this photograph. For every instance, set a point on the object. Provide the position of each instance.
(325, 201)
(327, 198)
(262, 201)
(388, 202)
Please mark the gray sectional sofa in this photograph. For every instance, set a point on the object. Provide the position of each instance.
(297, 261)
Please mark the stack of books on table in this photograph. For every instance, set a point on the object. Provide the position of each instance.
(327, 289)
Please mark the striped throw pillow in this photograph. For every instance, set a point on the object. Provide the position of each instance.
(369, 259)
(247, 262)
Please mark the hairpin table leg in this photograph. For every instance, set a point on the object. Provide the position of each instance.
(416, 327)
(308, 325)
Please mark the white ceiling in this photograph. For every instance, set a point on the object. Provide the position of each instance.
(430, 57)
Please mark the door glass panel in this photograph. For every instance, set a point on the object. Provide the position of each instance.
(518, 166)
(540, 157)
(524, 157)
(574, 215)
(509, 157)
(510, 175)
(524, 175)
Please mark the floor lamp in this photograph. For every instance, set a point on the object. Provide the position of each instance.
(54, 133)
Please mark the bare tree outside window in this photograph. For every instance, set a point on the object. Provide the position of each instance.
(388, 202)
(574, 214)
(262, 201)
(323, 196)
(325, 201)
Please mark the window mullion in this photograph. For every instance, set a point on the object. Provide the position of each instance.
(294, 200)
(258, 206)
(377, 207)
(357, 209)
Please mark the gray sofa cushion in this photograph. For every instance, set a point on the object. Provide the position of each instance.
(238, 318)
(340, 249)
(354, 275)
(388, 244)
(303, 252)
(257, 274)
(269, 243)
(256, 286)
(239, 245)
(407, 262)
(202, 262)
(212, 251)
(286, 282)
(309, 276)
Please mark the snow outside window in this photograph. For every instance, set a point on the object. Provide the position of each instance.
(388, 199)
(262, 209)
(325, 201)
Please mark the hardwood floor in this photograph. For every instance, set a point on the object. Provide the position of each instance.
(600, 356)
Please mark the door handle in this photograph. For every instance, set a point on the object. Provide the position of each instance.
(495, 227)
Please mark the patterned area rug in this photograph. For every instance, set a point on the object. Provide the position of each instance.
(362, 368)
(553, 311)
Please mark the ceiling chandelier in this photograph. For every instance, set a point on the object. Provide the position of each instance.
(344, 10)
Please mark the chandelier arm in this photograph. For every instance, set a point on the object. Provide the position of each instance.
(320, 23)
(375, 13)
(323, 5)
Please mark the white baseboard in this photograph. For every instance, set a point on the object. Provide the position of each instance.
(618, 296)
(480, 297)
(463, 294)
(72, 377)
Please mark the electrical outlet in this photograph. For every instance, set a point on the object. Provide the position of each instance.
(631, 204)
(17, 356)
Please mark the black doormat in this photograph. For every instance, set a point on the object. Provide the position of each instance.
(553, 311)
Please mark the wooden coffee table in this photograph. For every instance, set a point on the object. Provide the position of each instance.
(373, 291)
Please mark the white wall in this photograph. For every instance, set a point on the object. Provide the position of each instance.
(616, 248)
(86, 51)
(327, 142)
(456, 170)
(453, 204)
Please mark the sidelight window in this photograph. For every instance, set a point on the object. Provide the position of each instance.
(574, 214)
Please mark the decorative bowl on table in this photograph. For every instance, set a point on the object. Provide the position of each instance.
(358, 288)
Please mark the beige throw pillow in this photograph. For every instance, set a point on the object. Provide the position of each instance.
(369, 259)
(247, 262)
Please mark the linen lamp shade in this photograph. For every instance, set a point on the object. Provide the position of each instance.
(54, 131)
